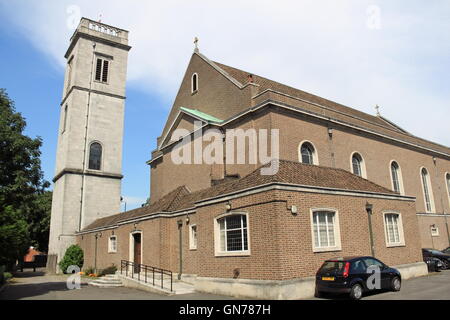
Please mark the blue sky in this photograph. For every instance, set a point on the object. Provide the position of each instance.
(360, 53)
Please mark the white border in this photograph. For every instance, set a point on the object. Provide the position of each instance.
(430, 191)
(217, 251)
(447, 183)
(109, 244)
(131, 246)
(401, 234)
(337, 230)
(400, 176)
(191, 240)
(315, 153)
(192, 83)
(363, 164)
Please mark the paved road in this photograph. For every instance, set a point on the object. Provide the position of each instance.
(39, 286)
(435, 286)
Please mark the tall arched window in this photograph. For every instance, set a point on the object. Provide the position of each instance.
(358, 165)
(447, 180)
(194, 83)
(426, 190)
(95, 156)
(395, 174)
(307, 153)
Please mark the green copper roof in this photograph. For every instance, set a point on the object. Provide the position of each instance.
(201, 115)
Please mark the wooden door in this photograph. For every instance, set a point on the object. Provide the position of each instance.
(137, 252)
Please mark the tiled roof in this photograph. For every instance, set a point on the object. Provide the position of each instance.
(289, 172)
(343, 113)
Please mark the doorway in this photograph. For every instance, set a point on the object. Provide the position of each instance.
(137, 251)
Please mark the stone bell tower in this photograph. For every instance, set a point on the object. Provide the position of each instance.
(87, 182)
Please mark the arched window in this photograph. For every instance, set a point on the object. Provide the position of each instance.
(95, 156)
(426, 190)
(447, 180)
(358, 165)
(307, 153)
(395, 173)
(194, 83)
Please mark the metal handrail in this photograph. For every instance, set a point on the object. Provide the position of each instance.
(125, 264)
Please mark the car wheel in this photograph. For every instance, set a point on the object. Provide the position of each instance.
(318, 294)
(396, 284)
(356, 292)
(446, 264)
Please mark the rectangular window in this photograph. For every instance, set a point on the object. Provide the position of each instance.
(102, 70)
(394, 229)
(232, 234)
(112, 247)
(193, 237)
(324, 229)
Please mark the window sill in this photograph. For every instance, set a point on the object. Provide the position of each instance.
(193, 249)
(394, 245)
(233, 254)
(331, 249)
(112, 252)
(194, 92)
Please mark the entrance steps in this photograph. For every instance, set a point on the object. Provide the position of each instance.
(107, 281)
(136, 280)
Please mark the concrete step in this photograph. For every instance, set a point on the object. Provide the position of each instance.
(106, 281)
(105, 285)
(178, 287)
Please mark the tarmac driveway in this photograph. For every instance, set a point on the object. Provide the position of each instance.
(435, 286)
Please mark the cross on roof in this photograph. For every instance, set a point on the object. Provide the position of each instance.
(377, 108)
(196, 43)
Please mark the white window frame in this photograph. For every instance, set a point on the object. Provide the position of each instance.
(193, 237)
(430, 191)
(337, 231)
(434, 233)
(447, 186)
(217, 251)
(110, 248)
(401, 235)
(315, 154)
(400, 177)
(192, 83)
(362, 163)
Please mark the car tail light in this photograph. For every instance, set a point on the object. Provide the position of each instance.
(346, 269)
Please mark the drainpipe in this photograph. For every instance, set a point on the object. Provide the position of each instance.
(369, 208)
(97, 235)
(180, 258)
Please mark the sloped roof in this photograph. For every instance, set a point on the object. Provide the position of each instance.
(201, 115)
(290, 172)
(375, 123)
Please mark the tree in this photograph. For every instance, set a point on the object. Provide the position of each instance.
(22, 185)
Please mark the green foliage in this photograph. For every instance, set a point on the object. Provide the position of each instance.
(73, 256)
(23, 205)
(109, 270)
(7, 276)
(89, 270)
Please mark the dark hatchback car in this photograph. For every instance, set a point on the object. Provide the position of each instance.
(353, 276)
(444, 257)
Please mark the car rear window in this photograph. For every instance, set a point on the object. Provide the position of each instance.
(336, 266)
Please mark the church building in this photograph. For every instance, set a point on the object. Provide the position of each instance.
(339, 182)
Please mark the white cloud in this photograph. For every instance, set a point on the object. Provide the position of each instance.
(323, 47)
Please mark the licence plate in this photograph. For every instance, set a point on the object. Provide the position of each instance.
(328, 278)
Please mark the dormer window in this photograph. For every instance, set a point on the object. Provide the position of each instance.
(194, 83)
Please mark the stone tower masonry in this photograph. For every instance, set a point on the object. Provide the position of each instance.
(87, 182)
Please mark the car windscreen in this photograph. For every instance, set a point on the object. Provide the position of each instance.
(333, 266)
